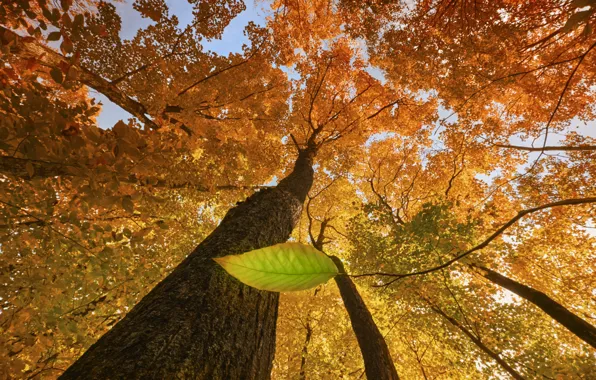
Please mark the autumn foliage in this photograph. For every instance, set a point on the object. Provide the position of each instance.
(454, 140)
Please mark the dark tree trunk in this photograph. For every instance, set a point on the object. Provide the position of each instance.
(302, 375)
(199, 322)
(480, 345)
(307, 338)
(378, 364)
(558, 312)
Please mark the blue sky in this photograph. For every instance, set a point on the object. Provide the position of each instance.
(231, 42)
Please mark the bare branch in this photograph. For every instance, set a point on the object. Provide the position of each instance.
(216, 73)
(384, 108)
(497, 233)
(295, 142)
(165, 56)
(476, 341)
(578, 148)
(457, 172)
(522, 73)
(45, 223)
(397, 220)
(26, 49)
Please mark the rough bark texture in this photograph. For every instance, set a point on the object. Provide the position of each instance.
(26, 48)
(378, 364)
(199, 322)
(481, 345)
(558, 312)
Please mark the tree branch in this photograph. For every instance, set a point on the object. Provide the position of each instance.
(549, 148)
(497, 233)
(216, 73)
(25, 48)
(496, 357)
(45, 223)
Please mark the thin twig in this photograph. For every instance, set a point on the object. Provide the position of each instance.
(486, 242)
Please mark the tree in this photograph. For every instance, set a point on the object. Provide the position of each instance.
(182, 327)
(378, 363)
(574, 323)
(479, 343)
(434, 128)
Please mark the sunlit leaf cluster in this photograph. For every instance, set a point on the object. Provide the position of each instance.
(436, 122)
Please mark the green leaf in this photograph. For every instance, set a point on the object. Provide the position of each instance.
(281, 268)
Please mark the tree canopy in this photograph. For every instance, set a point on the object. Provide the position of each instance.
(455, 173)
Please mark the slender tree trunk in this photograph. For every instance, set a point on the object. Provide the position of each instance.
(479, 344)
(199, 322)
(558, 312)
(304, 354)
(302, 375)
(378, 364)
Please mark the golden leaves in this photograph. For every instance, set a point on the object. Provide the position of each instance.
(408, 110)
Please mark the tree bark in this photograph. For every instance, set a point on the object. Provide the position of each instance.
(26, 48)
(199, 322)
(302, 374)
(558, 312)
(378, 364)
(479, 344)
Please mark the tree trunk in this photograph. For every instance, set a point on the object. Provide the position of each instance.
(558, 312)
(199, 322)
(378, 364)
(302, 374)
(480, 345)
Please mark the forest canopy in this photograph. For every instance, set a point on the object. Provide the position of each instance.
(442, 152)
